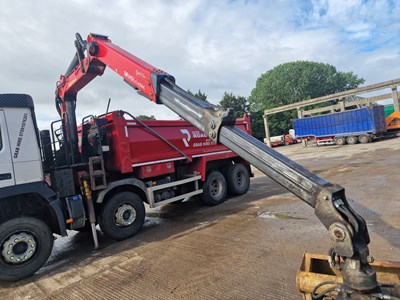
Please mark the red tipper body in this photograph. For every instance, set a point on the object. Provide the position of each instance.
(134, 148)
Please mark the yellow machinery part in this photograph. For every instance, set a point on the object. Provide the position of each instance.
(315, 269)
(393, 121)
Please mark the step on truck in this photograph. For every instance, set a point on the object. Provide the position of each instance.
(30, 216)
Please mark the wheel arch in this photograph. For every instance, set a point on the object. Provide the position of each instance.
(34, 200)
(131, 185)
(32, 205)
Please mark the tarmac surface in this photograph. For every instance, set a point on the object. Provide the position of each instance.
(249, 247)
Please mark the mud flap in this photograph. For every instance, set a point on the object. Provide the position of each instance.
(57, 209)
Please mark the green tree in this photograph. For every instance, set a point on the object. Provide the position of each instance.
(293, 82)
(198, 95)
(144, 117)
(238, 104)
(257, 125)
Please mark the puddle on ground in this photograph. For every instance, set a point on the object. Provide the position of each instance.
(277, 215)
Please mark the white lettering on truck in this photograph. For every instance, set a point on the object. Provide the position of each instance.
(20, 135)
(136, 83)
(196, 135)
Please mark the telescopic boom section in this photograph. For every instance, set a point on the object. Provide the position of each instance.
(347, 230)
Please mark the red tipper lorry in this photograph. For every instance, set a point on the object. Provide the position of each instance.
(172, 159)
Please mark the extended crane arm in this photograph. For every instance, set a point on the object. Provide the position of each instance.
(347, 230)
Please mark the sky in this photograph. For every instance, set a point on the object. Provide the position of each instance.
(215, 46)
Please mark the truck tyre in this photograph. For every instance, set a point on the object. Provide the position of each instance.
(25, 245)
(122, 216)
(238, 179)
(351, 140)
(340, 141)
(214, 189)
(363, 139)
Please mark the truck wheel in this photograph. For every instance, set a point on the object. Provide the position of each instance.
(363, 139)
(351, 140)
(340, 141)
(25, 245)
(238, 179)
(214, 189)
(122, 216)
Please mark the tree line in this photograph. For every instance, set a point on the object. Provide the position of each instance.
(285, 84)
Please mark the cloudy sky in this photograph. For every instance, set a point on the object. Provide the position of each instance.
(214, 46)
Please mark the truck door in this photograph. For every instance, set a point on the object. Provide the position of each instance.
(6, 166)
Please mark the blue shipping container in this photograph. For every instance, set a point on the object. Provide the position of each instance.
(352, 122)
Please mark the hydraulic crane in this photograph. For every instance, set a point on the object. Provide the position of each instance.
(347, 230)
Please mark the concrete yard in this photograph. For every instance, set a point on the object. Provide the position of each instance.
(247, 248)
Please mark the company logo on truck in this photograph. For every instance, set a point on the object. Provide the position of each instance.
(197, 134)
(20, 135)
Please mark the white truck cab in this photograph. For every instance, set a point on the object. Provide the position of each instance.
(20, 159)
(30, 211)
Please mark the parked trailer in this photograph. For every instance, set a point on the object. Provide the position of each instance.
(359, 125)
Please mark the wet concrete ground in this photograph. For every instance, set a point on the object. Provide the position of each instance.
(247, 248)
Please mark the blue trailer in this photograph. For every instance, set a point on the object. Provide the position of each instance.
(352, 126)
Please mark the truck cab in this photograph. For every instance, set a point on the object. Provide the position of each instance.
(20, 159)
(30, 211)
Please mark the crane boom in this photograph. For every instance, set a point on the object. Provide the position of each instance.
(348, 230)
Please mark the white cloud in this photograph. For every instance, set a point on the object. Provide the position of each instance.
(215, 46)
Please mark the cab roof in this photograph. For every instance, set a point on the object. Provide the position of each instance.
(16, 100)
